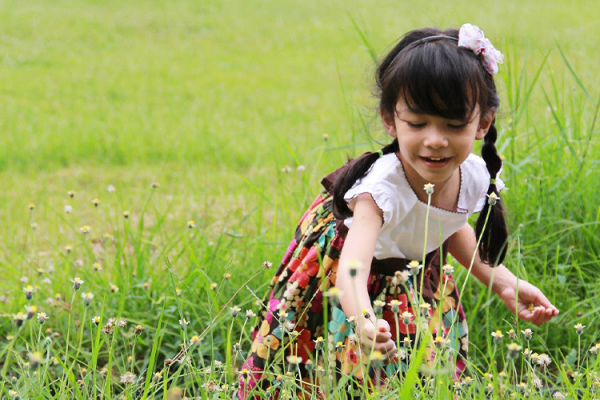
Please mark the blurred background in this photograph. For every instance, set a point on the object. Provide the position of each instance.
(215, 99)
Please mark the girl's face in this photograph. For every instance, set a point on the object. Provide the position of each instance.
(432, 148)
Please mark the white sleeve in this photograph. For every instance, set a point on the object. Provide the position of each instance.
(377, 192)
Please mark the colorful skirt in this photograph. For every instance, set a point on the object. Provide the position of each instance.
(288, 338)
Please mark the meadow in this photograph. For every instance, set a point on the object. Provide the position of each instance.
(161, 151)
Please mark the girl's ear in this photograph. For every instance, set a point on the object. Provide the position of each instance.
(484, 124)
(389, 122)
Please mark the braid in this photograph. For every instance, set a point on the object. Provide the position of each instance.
(492, 248)
(355, 170)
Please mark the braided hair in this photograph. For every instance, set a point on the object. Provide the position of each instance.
(437, 77)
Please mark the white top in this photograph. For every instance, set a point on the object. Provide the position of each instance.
(403, 231)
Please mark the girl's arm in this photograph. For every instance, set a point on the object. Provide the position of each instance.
(359, 246)
(517, 294)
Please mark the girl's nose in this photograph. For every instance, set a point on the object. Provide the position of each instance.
(435, 139)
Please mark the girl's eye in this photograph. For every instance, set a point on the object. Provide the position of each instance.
(456, 126)
(415, 125)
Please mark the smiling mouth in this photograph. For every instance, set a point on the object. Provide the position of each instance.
(436, 159)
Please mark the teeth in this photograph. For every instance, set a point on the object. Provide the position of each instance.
(436, 159)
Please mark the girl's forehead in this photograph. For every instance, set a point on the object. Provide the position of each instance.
(403, 108)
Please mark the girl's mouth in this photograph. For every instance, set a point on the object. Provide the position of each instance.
(435, 162)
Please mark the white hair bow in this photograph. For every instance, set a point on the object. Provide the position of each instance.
(472, 38)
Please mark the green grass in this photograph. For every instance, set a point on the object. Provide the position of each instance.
(211, 100)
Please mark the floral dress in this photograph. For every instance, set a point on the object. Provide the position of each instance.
(290, 336)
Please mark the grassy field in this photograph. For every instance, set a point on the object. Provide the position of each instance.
(211, 101)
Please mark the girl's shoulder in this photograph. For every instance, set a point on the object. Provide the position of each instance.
(385, 182)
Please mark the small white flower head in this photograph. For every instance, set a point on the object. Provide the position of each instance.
(28, 292)
(68, 248)
(35, 359)
(87, 298)
(365, 313)
(527, 334)
(353, 267)
(448, 269)
(31, 310)
(377, 358)
(401, 277)
(493, 198)
(497, 336)
(414, 267)
(46, 281)
(191, 224)
(407, 317)
(595, 349)
(250, 314)
(77, 282)
(441, 341)
(95, 202)
(300, 168)
(334, 294)
(184, 323)
(378, 306)
(19, 318)
(68, 209)
(286, 169)
(319, 343)
(42, 317)
(234, 311)
(78, 263)
(113, 288)
(513, 350)
(579, 328)
(543, 360)
(85, 229)
(428, 188)
(267, 264)
(395, 305)
(512, 334)
(558, 395)
(96, 320)
(352, 321)
(128, 378)
(111, 189)
(97, 267)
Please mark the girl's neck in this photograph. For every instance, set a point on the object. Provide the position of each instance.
(445, 194)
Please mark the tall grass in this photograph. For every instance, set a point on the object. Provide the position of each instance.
(213, 105)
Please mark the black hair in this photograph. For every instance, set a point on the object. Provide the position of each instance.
(434, 76)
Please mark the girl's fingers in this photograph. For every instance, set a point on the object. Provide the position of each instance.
(386, 347)
(383, 336)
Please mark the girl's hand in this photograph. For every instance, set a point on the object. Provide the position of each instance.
(532, 305)
(377, 338)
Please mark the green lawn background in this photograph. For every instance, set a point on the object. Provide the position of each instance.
(213, 98)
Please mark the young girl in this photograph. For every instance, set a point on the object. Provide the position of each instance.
(365, 238)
